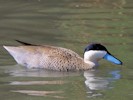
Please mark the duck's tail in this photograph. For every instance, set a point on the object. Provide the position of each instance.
(24, 43)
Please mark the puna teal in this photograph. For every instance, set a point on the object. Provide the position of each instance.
(58, 58)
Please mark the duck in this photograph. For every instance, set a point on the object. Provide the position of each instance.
(59, 58)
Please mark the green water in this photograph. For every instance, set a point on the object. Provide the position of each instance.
(71, 24)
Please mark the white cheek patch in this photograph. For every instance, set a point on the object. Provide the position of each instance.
(94, 54)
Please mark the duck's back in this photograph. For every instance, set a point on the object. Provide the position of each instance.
(48, 57)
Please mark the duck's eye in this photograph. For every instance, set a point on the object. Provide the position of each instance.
(98, 48)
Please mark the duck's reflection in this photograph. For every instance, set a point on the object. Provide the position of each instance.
(94, 82)
(48, 80)
(18, 71)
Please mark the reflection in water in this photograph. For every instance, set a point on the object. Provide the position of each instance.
(59, 82)
(94, 82)
(40, 93)
(18, 71)
(97, 83)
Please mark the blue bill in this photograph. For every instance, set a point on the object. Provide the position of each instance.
(112, 59)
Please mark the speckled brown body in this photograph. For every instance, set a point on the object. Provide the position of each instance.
(48, 57)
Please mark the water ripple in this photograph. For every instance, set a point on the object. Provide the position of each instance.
(40, 93)
(59, 82)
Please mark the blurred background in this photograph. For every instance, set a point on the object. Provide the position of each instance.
(71, 24)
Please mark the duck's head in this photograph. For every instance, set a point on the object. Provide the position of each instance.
(94, 52)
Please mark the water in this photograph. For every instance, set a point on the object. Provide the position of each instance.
(70, 24)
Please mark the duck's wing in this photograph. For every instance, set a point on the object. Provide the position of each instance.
(59, 50)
